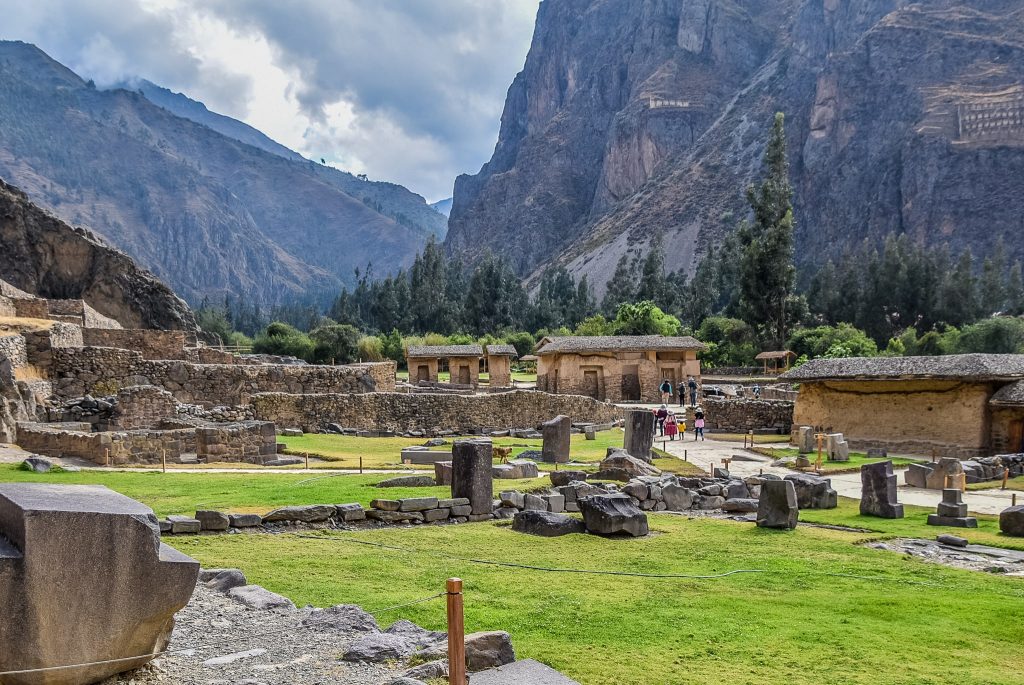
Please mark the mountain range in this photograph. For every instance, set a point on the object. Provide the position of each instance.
(636, 119)
(208, 204)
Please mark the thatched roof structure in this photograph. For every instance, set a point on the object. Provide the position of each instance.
(441, 351)
(501, 351)
(582, 344)
(977, 367)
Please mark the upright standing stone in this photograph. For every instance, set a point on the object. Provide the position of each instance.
(639, 433)
(471, 474)
(878, 491)
(557, 431)
(777, 507)
(805, 439)
(83, 578)
(952, 511)
(836, 447)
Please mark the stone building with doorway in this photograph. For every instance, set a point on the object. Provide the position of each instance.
(462, 362)
(962, 406)
(499, 365)
(616, 368)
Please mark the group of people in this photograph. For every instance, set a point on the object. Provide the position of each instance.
(668, 425)
(690, 385)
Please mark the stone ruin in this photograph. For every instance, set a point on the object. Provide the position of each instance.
(556, 432)
(939, 475)
(878, 491)
(639, 436)
(952, 511)
(83, 578)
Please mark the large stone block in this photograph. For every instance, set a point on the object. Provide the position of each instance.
(612, 514)
(878, 491)
(471, 474)
(805, 442)
(83, 578)
(946, 472)
(1011, 521)
(555, 448)
(546, 524)
(814, 492)
(639, 433)
(777, 506)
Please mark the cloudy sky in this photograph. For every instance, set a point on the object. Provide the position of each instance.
(408, 91)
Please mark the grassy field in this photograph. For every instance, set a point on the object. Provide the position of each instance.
(899, 621)
(183, 493)
(343, 451)
(857, 459)
(1012, 484)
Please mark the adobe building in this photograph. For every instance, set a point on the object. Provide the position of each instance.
(499, 365)
(463, 362)
(616, 368)
(961, 406)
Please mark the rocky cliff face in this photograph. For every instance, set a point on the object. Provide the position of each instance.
(44, 256)
(640, 117)
(205, 211)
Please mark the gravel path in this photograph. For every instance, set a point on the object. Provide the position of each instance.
(293, 656)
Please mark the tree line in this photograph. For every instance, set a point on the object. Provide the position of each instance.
(899, 298)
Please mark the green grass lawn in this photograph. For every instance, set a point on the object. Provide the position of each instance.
(183, 493)
(902, 622)
(758, 439)
(1012, 484)
(857, 459)
(343, 451)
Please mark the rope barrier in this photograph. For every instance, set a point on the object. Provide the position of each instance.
(219, 643)
(633, 574)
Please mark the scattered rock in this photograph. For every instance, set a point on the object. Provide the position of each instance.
(1011, 521)
(612, 514)
(488, 650)
(258, 597)
(546, 524)
(813, 492)
(777, 507)
(212, 520)
(343, 617)
(183, 524)
(559, 478)
(407, 482)
(225, 579)
(38, 464)
(952, 540)
(245, 520)
(313, 513)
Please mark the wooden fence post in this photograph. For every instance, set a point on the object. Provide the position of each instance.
(163, 460)
(456, 634)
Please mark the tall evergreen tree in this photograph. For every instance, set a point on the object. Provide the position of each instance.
(621, 288)
(767, 273)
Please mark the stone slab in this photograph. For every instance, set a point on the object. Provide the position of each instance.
(525, 672)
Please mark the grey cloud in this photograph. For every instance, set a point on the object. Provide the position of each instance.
(113, 41)
(438, 70)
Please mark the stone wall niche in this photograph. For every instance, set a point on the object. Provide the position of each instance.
(83, 578)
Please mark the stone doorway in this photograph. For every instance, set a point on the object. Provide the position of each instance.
(591, 384)
(464, 375)
(422, 372)
(1016, 436)
(631, 383)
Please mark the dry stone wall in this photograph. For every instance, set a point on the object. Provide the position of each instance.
(425, 412)
(744, 415)
(104, 370)
(249, 441)
(126, 447)
(149, 343)
(7, 307)
(12, 348)
(142, 406)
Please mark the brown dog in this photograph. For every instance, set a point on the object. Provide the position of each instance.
(502, 454)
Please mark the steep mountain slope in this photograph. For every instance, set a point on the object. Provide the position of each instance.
(389, 199)
(207, 213)
(640, 117)
(44, 256)
(443, 206)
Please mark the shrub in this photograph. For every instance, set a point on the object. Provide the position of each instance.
(843, 340)
(998, 335)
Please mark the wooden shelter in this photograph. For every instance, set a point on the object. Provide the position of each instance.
(776, 362)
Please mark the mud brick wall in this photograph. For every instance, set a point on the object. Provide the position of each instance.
(421, 411)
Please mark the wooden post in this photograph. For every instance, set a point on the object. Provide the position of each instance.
(360, 464)
(1013, 500)
(307, 461)
(1006, 477)
(163, 460)
(686, 455)
(106, 454)
(456, 634)
(933, 455)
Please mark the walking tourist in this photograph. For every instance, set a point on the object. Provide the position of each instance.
(666, 391)
(698, 425)
(671, 427)
(682, 394)
(692, 384)
(659, 417)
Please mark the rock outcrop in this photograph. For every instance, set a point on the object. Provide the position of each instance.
(45, 257)
(633, 118)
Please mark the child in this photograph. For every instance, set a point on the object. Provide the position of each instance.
(698, 425)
